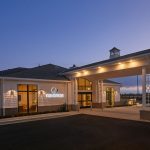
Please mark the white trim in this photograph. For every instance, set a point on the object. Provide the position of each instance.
(76, 91)
(31, 79)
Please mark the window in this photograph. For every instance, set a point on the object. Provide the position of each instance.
(110, 97)
(84, 84)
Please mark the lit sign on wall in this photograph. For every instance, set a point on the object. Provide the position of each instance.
(54, 93)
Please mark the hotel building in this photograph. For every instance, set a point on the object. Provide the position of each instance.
(51, 88)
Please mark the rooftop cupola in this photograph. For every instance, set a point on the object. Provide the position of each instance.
(114, 52)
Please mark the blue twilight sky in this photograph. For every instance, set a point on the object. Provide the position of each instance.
(66, 32)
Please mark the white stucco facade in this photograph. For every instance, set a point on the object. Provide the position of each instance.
(69, 89)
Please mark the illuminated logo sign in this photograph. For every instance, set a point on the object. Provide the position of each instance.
(54, 93)
(54, 90)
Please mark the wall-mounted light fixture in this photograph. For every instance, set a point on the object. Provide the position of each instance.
(115, 92)
(104, 92)
(41, 92)
(11, 93)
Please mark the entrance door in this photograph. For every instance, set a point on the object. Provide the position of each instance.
(27, 98)
(110, 96)
(84, 99)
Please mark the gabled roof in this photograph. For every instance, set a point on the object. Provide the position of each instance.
(111, 60)
(48, 71)
(114, 49)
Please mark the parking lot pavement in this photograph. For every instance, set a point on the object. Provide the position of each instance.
(76, 132)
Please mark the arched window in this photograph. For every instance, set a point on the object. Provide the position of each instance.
(84, 84)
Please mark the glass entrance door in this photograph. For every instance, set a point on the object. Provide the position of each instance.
(33, 97)
(84, 99)
(27, 98)
(22, 99)
(110, 96)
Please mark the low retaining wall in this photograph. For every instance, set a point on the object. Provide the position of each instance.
(145, 114)
(41, 109)
(98, 105)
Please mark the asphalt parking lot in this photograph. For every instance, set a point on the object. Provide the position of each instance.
(78, 132)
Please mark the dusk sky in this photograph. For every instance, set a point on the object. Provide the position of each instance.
(67, 32)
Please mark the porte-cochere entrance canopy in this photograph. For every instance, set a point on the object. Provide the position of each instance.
(121, 66)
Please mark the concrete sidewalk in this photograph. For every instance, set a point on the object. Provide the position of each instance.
(111, 114)
(21, 119)
(128, 113)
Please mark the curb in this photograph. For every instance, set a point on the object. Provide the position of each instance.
(15, 120)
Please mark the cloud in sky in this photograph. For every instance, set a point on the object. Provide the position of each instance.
(129, 84)
(130, 89)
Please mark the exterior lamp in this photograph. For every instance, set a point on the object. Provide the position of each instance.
(78, 74)
(131, 61)
(99, 68)
(41, 92)
(148, 88)
(12, 93)
(104, 92)
(115, 92)
(85, 72)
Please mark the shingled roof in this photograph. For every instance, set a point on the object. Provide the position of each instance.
(48, 71)
(11, 71)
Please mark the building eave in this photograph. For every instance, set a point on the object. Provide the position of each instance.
(35, 80)
(110, 61)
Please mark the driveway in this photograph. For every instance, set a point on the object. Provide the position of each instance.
(77, 132)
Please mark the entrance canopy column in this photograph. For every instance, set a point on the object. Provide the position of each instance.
(101, 92)
(97, 92)
(144, 86)
(75, 91)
